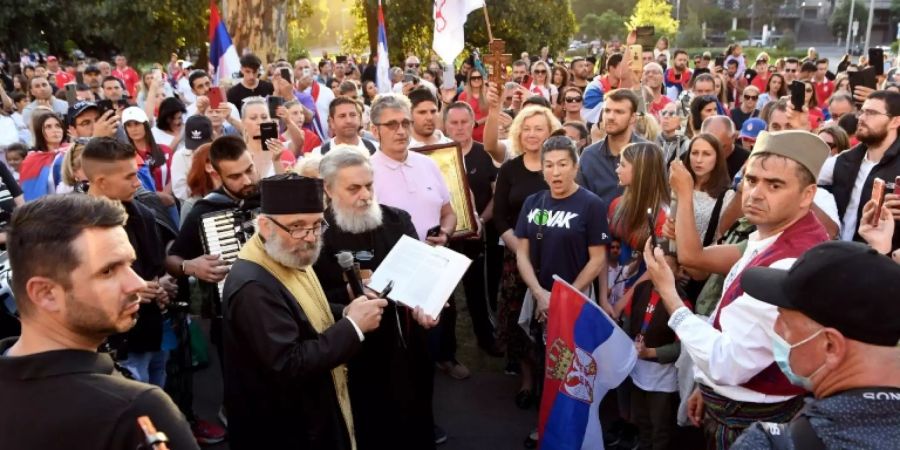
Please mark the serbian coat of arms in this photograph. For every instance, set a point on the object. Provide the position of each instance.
(576, 370)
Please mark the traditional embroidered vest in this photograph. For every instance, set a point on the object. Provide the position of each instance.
(796, 239)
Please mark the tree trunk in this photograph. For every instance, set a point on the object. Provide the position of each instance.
(259, 26)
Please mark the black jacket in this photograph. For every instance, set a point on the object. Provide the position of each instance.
(846, 167)
(278, 386)
(143, 234)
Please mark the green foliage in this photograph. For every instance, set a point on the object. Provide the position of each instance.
(581, 8)
(787, 41)
(841, 15)
(409, 25)
(715, 17)
(654, 12)
(737, 35)
(690, 34)
(606, 26)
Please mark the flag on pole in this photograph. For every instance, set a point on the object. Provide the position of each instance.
(222, 53)
(383, 74)
(587, 355)
(449, 21)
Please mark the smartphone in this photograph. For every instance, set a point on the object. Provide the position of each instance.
(878, 196)
(215, 96)
(720, 61)
(286, 74)
(798, 94)
(274, 102)
(876, 60)
(637, 65)
(71, 96)
(646, 36)
(267, 130)
(863, 77)
(105, 105)
(434, 231)
(651, 224)
(79, 77)
(410, 78)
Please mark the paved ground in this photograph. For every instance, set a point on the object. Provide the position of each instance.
(477, 413)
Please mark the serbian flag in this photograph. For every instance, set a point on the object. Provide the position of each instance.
(222, 54)
(587, 355)
(36, 174)
(449, 22)
(383, 74)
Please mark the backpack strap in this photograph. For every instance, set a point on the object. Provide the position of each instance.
(714, 221)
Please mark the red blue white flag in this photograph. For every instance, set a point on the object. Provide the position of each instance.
(222, 54)
(383, 72)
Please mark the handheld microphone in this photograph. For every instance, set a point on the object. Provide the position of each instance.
(345, 260)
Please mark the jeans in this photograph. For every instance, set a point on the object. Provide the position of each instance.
(149, 367)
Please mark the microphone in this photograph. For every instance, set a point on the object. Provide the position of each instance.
(345, 260)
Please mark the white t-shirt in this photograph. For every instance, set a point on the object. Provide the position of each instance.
(848, 228)
(652, 376)
(162, 137)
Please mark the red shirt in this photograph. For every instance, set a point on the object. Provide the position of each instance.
(62, 78)
(816, 117)
(478, 132)
(760, 81)
(823, 91)
(658, 105)
(162, 174)
(130, 78)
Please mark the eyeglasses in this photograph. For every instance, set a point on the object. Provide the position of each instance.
(574, 99)
(302, 233)
(413, 65)
(479, 78)
(394, 125)
(872, 112)
(751, 97)
(790, 70)
(667, 114)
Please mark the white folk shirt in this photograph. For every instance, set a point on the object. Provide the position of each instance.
(726, 359)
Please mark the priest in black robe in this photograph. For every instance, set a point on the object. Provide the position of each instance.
(285, 344)
(391, 377)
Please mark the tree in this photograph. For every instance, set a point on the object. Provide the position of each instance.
(582, 8)
(841, 15)
(691, 34)
(409, 25)
(606, 26)
(654, 12)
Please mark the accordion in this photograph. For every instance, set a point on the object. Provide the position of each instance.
(225, 232)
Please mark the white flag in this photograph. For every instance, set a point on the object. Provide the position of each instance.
(449, 22)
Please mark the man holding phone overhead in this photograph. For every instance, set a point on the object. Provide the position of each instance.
(850, 176)
(209, 96)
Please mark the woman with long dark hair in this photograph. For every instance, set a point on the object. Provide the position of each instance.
(702, 108)
(41, 171)
(157, 157)
(775, 89)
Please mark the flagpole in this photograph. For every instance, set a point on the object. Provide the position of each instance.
(487, 20)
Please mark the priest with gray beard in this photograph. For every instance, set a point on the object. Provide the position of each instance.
(391, 378)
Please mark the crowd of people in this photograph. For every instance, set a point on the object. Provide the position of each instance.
(693, 181)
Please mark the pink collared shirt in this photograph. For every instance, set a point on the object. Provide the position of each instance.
(415, 186)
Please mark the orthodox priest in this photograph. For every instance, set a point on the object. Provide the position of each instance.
(391, 378)
(285, 344)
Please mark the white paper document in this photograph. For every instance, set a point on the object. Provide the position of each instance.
(423, 275)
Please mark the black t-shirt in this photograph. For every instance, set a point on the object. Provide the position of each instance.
(189, 244)
(736, 160)
(239, 92)
(481, 172)
(514, 184)
(738, 116)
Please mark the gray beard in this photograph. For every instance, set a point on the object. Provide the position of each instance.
(355, 223)
(284, 255)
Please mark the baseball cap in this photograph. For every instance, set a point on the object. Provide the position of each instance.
(807, 149)
(843, 285)
(51, 58)
(752, 127)
(92, 69)
(133, 113)
(79, 108)
(197, 131)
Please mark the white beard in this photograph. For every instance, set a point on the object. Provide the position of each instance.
(354, 222)
(298, 257)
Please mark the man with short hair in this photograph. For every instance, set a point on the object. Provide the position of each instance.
(85, 121)
(847, 357)
(791, 69)
(111, 168)
(250, 85)
(597, 168)
(326, 71)
(581, 72)
(113, 91)
(92, 78)
(200, 84)
(652, 78)
(390, 383)
(807, 71)
(761, 80)
(426, 127)
(746, 107)
(519, 72)
(128, 75)
(678, 77)
(840, 104)
(344, 120)
(824, 87)
(724, 130)
(412, 63)
(850, 176)
(285, 344)
(60, 76)
(592, 104)
(43, 96)
(53, 373)
(703, 84)
(735, 366)
(105, 69)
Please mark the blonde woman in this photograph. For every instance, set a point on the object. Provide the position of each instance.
(540, 84)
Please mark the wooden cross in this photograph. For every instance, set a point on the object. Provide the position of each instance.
(496, 62)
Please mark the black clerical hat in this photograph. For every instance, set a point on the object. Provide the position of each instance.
(289, 193)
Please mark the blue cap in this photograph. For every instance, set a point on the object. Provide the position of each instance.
(752, 128)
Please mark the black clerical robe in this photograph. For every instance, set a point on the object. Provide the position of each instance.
(390, 384)
(279, 392)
